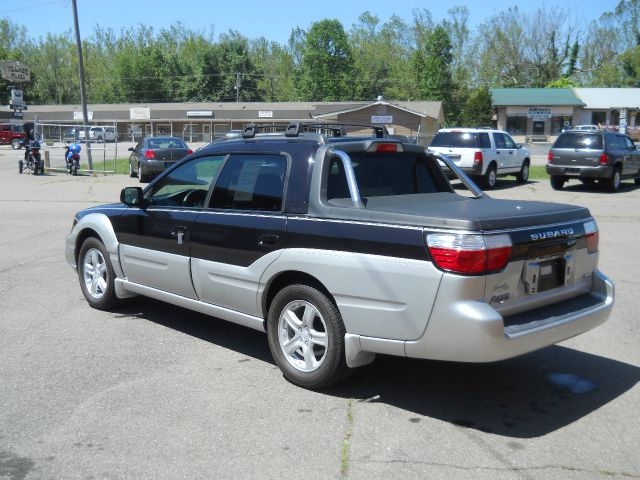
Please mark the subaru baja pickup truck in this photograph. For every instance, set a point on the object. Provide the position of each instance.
(342, 247)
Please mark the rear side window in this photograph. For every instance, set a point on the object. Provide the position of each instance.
(381, 175)
(589, 141)
(485, 141)
(456, 140)
(251, 182)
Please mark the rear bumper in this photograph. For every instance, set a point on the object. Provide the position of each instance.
(155, 167)
(600, 171)
(473, 331)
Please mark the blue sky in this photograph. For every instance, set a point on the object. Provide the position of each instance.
(273, 19)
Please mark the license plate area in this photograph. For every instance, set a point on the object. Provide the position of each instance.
(546, 274)
(572, 171)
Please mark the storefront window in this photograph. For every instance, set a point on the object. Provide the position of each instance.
(517, 125)
(558, 123)
(599, 118)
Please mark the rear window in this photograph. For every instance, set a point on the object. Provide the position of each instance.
(590, 141)
(457, 140)
(387, 175)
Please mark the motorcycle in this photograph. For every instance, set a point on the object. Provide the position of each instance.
(72, 157)
(32, 159)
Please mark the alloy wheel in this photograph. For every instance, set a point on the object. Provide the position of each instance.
(302, 335)
(95, 273)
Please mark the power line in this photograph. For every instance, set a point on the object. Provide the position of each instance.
(31, 7)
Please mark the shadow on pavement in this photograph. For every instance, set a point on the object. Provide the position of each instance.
(520, 398)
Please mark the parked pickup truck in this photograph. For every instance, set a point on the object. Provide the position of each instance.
(344, 247)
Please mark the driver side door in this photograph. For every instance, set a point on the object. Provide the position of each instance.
(155, 240)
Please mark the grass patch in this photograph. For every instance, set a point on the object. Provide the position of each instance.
(344, 454)
(121, 165)
(538, 172)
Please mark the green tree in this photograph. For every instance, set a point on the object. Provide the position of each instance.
(431, 65)
(327, 63)
(478, 109)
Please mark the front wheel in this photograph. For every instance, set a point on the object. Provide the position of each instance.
(74, 171)
(16, 144)
(523, 176)
(97, 278)
(557, 182)
(306, 337)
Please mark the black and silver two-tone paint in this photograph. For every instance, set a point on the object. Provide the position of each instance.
(233, 225)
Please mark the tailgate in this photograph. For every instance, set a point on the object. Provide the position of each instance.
(548, 264)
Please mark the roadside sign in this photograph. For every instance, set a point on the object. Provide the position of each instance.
(79, 116)
(15, 71)
(17, 100)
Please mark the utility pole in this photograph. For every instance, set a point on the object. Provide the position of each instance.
(83, 96)
(237, 86)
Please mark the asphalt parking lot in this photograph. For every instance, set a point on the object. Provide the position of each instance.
(152, 391)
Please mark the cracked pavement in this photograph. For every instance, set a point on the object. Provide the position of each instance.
(152, 391)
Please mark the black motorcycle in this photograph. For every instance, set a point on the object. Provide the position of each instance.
(32, 159)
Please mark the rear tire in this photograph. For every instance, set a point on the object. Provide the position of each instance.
(306, 337)
(96, 275)
(490, 177)
(557, 182)
(141, 177)
(523, 176)
(613, 182)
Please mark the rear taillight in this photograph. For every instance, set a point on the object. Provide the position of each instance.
(75, 156)
(477, 158)
(604, 159)
(150, 154)
(592, 236)
(549, 156)
(34, 151)
(469, 254)
(189, 151)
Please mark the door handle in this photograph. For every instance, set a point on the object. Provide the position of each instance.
(268, 239)
(498, 152)
(179, 233)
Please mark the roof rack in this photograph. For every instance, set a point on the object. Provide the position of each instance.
(294, 129)
(331, 129)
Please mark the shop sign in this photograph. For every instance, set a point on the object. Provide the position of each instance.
(78, 116)
(17, 101)
(139, 113)
(539, 114)
(200, 113)
(265, 113)
(381, 118)
(14, 71)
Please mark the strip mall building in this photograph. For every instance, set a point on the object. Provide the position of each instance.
(540, 114)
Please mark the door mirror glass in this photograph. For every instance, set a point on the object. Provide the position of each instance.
(131, 196)
(131, 149)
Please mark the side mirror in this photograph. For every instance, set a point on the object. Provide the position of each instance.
(518, 145)
(131, 196)
(131, 149)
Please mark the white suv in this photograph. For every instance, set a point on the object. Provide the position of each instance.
(483, 153)
(99, 134)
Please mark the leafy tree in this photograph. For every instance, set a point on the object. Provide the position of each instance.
(478, 109)
(431, 64)
(327, 63)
